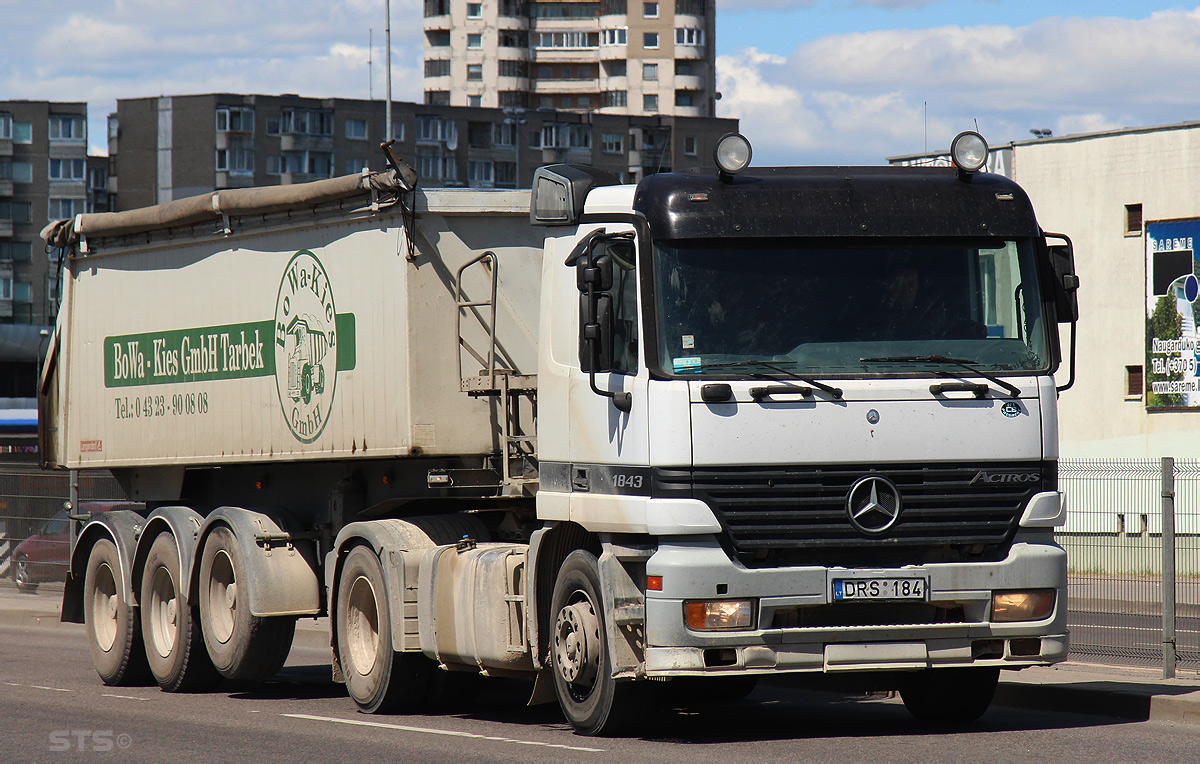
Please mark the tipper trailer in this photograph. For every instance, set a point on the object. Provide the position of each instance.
(720, 424)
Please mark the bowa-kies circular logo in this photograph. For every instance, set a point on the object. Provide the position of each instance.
(305, 346)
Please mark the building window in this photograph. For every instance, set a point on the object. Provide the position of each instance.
(438, 38)
(513, 38)
(689, 36)
(22, 291)
(615, 98)
(436, 7)
(614, 68)
(397, 131)
(650, 103)
(474, 10)
(689, 7)
(437, 97)
(22, 132)
(572, 40)
(356, 129)
(236, 161)
(307, 122)
(474, 100)
(683, 68)
(436, 129)
(535, 140)
(52, 288)
(614, 36)
(650, 40)
(16, 251)
(61, 209)
(475, 41)
(437, 67)
(1133, 219)
(506, 174)
(22, 172)
(650, 10)
(1134, 381)
(515, 99)
(514, 68)
(612, 143)
(479, 172)
(274, 165)
(649, 71)
(355, 166)
(67, 169)
(504, 133)
(235, 119)
(436, 164)
(5, 126)
(689, 145)
(17, 212)
(67, 127)
(684, 98)
(475, 72)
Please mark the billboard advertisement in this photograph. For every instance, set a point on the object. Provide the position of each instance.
(1172, 341)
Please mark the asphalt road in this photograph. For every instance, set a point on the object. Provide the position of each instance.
(54, 707)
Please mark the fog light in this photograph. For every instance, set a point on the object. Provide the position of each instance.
(1033, 605)
(732, 153)
(969, 152)
(719, 614)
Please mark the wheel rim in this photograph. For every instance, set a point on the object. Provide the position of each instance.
(222, 597)
(164, 612)
(577, 645)
(104, 608)
(362, 619)
(22, 572)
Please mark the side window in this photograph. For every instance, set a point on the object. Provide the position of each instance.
(625, 314)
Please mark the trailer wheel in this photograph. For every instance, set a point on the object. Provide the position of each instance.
(593, 702)
(170, 629)
(949, 695)
(241, 645)
(110, 622)
(379, 679)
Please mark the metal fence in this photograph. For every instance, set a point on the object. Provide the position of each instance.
(35, 532)
(1133, 549)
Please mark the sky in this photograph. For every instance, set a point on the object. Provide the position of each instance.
(812, 81)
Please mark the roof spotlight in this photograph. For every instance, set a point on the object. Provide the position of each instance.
(732, 154)
(969, 151)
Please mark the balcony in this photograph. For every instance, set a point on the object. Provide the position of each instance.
(566, 87)
(6, 147)
(6, 188)
(6, 228)
(302, 142)
(227, 179)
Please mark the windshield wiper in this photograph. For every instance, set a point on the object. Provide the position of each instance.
(836, 392)
(1013, 390)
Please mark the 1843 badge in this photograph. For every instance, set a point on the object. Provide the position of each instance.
(306, 346)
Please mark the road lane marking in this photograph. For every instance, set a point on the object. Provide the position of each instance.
(122, 697)
(40, 687)
(434, 731)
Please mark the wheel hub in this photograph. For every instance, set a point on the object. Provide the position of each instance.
(577, 643)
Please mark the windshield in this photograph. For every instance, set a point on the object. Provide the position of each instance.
(773, 306)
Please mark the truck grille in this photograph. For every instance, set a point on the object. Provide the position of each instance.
(797, 515)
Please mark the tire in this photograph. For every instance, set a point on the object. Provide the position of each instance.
(593, 702)
(240, 645)
(379, 679)
(112, 624)
(23, 575)
(170, 627)
(949, 695)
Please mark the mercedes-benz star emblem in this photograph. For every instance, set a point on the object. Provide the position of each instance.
(873, 504)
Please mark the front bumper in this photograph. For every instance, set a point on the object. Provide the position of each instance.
(880, 636)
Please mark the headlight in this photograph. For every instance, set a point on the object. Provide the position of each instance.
(732, 154)
(1032, 605)
(969, 151)
(716, 615)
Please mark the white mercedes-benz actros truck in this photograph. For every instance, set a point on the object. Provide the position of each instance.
(716, 425)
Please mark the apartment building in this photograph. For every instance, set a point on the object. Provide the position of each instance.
(172, 147)
(629, 57)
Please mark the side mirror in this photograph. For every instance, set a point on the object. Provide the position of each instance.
(1066, 282)
(593, 278)
(595, 333)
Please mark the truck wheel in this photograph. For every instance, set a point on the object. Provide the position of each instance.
(593, 702)
(174, 646)
(379, 679)
(110, 622)
(241, 645)
(23, 575)
(949, 695)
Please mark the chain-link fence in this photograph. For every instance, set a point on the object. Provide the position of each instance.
(1133, 528)
(35, 530)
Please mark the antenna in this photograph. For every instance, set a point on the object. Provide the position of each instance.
(926, 127)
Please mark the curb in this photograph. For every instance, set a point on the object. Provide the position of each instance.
(1132, 704)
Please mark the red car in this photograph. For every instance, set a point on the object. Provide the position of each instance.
(46, 555)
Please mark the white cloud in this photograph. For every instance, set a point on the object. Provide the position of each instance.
(860, 97)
